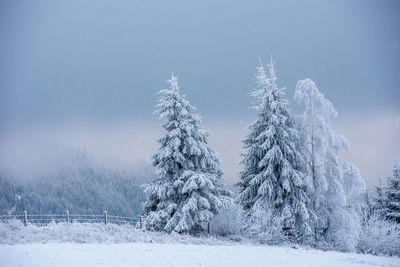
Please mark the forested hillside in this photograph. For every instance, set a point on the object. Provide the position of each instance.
(84, 188)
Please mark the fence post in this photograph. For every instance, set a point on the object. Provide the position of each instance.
(25, 217)
(140, 222)
(105, 217)
(67, 216)
(208, 227)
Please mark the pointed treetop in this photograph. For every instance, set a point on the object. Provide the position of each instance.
(261, 64)
(271, 70)
(271, 61)
(307, 91)
(261, 75)
(173, 83)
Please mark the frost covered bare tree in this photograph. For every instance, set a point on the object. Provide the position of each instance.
(337, 184)
(272, 182)
(188, 191)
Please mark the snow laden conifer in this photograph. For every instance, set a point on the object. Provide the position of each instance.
(272, 182)
(380, 200)
(390, 196)
(337, 185)
(188, 191)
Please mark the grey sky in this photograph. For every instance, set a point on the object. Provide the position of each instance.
(99, 62)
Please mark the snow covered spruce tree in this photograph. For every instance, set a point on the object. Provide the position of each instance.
(390, 196)
(337, 184)
(272, 182)
(380, 201)
(188, 191)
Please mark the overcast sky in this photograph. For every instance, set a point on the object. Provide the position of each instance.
(86, 73)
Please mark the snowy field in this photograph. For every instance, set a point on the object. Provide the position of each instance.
(96, 244)
(150, 254)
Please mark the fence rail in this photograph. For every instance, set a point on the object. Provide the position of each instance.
(44, 219)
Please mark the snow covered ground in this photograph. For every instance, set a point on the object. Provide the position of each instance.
(14, 232)
(96, 244)
(150, 254)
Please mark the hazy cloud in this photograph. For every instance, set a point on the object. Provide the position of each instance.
(375, 144)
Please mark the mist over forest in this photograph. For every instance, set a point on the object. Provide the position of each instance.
(77, 182)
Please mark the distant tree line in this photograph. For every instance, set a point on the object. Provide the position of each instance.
(86, 188)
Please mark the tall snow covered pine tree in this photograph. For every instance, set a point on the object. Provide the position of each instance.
(188, 191)
(272, 179)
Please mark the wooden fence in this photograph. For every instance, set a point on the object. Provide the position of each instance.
(44, 219)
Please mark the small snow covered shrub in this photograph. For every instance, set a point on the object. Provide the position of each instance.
(265, 227)
(379, 237)
(228, 221)
(10, 229)
(344, 230)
